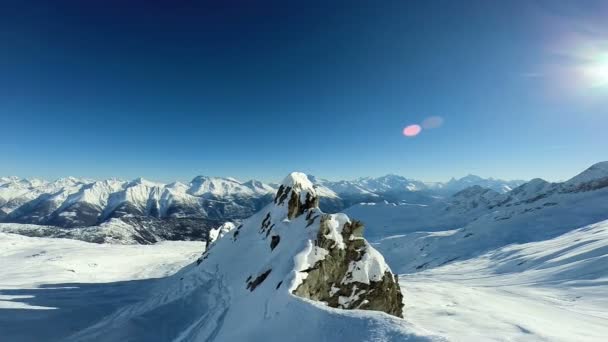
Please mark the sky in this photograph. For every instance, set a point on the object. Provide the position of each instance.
(173, 89)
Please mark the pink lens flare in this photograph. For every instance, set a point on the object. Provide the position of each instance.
(412, 130)
(432, 122)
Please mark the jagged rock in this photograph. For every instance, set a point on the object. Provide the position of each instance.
(331, 279)
(341, 268)
(274, 242)
(251, 285)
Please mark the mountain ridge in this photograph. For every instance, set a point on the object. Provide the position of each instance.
(79, 202)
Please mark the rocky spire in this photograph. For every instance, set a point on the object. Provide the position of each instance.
(297, 193)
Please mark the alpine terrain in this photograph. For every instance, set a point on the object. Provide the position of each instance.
(526, 264)
(288, 272)
(141, 211)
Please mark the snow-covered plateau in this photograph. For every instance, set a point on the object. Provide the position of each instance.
(524, 264)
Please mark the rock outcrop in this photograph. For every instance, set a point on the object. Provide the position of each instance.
(351, 275)
(293, 246)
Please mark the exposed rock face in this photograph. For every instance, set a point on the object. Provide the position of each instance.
(334, 280)
(351, 274)
(300, 192)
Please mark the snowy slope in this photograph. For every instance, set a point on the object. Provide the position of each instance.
(539, 220)
(28, 262)
(252, 285)
(480, 265)
(529, 265)
(551, 290)
(252, 272)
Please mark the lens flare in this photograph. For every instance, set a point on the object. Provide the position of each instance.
(432, 122)
(412, 130)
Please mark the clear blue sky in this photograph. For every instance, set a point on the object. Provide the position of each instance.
(172, 89)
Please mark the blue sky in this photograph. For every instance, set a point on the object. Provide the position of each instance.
(169, 91)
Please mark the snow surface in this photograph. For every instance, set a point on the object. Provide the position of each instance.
(211, 299)
(30, 262)
(219, 232)
(528, 265)
(529, 221)
(551, 290)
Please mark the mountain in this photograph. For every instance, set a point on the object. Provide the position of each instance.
(152, 210)
(476, 220)
(398, 189)
(289, 272)
(454, 185)
(516, 270)
(182, 208)
(79, 202)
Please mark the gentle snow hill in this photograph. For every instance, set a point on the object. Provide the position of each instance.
(551, 290)
(243, 287)
(51, 288)
(29, 262)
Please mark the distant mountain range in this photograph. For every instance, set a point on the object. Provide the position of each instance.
(141, 211)
(73, 202)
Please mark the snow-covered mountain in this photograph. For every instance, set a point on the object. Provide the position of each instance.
(181, 208)
(516, 270)
(476, 220)
(454, 185)
(339, 195)
(74, 202)
(289, 272)
(184, 211)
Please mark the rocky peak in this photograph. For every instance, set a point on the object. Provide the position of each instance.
(292, 248)
(351, 275)
(297, 193)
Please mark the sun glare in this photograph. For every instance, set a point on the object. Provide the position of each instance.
(597, 72)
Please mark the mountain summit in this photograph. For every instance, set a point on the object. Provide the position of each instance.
(288, 263)
(297, 249)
